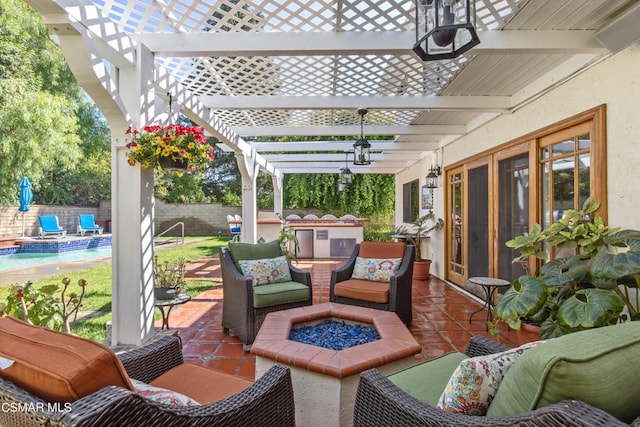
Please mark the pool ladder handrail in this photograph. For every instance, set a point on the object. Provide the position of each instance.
(181, 224)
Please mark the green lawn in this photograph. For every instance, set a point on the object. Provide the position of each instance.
(98, 295)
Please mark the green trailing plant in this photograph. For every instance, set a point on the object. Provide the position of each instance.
(422, 227)
(42, 307)
(588, 288)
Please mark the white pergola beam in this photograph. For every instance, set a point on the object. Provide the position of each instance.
(349, 130)
(400, 102)
(334, 169)
(359, 43)
(335, 157)
(344, 146)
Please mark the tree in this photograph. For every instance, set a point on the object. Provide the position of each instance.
(38, 127)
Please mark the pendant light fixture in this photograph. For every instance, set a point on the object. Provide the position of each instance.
(432, 177)
(362, 148)
(345, 174)
(445, 29)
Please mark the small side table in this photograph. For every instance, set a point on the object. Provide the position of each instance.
(169, 304)
(489, 285)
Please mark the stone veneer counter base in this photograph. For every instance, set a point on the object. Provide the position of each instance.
(324, 380)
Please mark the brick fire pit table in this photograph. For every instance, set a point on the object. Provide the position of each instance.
(324, 380)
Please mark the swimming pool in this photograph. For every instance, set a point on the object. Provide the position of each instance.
(22, 260)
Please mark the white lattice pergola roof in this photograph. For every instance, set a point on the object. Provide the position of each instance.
(274, 68)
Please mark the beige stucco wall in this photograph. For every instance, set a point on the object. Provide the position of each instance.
(614, 82)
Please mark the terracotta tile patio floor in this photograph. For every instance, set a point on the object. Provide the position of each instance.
(440, 319)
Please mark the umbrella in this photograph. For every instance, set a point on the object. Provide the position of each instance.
(26, 197)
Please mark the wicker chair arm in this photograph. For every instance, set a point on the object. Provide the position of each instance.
(381, 403)
(148, 362)
(267, 402)
(300, 276)
(237, 288)
(344, 273)
(405, 269)
(480, 345)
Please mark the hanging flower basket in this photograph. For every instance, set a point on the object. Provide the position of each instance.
(170, 165)
(169, 148)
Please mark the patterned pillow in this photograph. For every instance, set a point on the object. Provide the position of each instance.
(162, 395)
(265, 271)
(376, 269)
(475, 381)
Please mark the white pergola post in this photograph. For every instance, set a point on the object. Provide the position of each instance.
(277, 181)
(133, 213)
(249, 169)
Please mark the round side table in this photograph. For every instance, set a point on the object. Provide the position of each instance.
(489, 285)
(169, 304)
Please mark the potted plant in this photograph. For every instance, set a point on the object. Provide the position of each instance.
(172, 147)
(420, 231)
(168, 278)
(585, 289)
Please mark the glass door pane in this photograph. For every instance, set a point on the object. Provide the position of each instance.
(513, 212)
(456, 205)
(478, 221)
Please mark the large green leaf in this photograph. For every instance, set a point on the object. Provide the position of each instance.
(621, 259)
(551, 328)
(589, 308)
(559, 271)
(527, 295)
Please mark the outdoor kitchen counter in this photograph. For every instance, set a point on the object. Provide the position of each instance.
(327, 238)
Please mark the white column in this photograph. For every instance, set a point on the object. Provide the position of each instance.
(249, 171)
(132, 204)
(277, 193)
(132, 255)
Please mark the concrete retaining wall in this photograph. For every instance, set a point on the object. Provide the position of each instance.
(11, 219)
(200, 219)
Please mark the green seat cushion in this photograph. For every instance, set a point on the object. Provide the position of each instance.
(426, 381)
(279, 293)
(250, 251)
(598, 366)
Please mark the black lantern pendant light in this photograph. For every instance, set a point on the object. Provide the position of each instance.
(432, 177)
(362, 148)
(445, 29)
(345, 174)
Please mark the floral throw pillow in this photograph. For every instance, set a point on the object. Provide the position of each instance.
(475, 381)
(162, 395)
(376, 269)
(265, 271)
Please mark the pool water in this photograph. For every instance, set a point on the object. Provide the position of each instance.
(9, 262)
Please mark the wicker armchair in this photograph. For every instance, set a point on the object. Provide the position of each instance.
(399, 286)
(381, 403)
(239, 315)
(267, 402)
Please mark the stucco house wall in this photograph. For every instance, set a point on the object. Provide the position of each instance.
(614, 82)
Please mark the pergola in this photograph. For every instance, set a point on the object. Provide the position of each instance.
(273, 68)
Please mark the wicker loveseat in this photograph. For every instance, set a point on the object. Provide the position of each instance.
(267, 402)
(590, 378)
(391, 294)
(246, 302)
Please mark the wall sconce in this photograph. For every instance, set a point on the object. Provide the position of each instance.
(362, 148)
(432, 177)
(445, 29)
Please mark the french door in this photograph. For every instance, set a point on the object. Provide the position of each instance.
(498, 195)
(492, 208)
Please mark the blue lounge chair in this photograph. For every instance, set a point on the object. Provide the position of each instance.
(86, 223)
(49, 225)
(234, 227)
